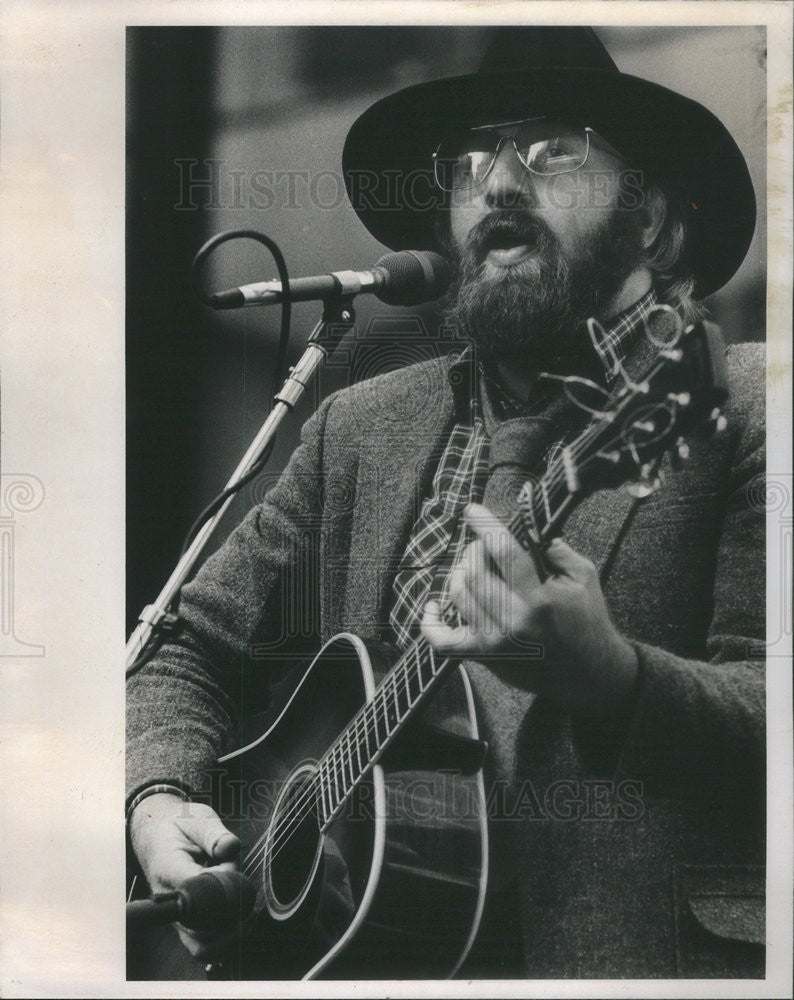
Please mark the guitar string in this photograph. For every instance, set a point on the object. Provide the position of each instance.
(290, 821)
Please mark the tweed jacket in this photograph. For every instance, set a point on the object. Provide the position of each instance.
(638, 858)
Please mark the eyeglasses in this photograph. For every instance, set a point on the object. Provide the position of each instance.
(463, 161)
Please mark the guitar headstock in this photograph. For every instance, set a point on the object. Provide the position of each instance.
(683, 388)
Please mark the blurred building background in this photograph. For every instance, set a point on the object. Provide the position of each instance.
(233, 128)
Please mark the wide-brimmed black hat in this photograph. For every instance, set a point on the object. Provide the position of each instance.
(563, 73)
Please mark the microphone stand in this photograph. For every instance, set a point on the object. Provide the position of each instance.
(337, 318)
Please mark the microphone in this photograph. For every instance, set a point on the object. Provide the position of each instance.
(205, 902)
(400, 279)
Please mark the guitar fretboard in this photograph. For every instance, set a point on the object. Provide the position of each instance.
(375, 726)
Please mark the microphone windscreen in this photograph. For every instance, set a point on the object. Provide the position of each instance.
(414, 276)
(216, 899)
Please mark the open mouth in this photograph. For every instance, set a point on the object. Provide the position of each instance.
(505, 250)
(507, 247)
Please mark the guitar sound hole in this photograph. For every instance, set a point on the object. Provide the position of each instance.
(294, 844)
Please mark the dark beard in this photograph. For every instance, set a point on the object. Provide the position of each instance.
(532, 315)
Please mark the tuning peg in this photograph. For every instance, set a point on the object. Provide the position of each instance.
(645, 484)
(717, 420)
(680, 454)
(682, 398)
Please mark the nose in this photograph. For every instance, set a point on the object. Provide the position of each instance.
(508, 184)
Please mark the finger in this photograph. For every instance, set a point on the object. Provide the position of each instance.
(461, 641)
(207, 832)
(515, 565)
(565, 561)
(487, 593)
(461, 588)
(456, 587)
(226, 848)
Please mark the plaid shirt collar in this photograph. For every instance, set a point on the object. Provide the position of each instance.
(612, 345)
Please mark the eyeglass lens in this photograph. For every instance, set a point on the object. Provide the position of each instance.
(463, 161)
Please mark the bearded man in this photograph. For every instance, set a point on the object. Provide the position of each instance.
(585, 212)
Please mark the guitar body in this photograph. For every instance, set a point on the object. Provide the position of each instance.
(395, 884)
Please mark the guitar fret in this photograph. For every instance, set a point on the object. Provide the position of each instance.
(339, 778)
(319, 808)
(379, 713)
(404, 706)
(357, 744)
(330, 783)
(389, 707)
(422, 663)
(344, 754)
(333, 791)
(388, 702)
(418, 657)
(325, 811)
(398, 714)
(368, 733)
(351, 759)
(545, 497)
(347, 784)
(413, 686)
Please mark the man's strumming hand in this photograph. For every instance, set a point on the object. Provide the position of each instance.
(175, 840)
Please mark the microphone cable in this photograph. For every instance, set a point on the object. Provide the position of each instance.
(278, 370)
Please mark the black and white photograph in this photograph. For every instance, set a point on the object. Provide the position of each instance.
(439, 476)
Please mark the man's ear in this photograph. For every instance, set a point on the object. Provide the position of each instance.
(653, 214)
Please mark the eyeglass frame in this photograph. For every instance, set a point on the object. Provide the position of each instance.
(520, 121)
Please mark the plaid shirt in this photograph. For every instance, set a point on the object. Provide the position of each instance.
(439, 535)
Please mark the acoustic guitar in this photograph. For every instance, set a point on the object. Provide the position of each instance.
(361, 808)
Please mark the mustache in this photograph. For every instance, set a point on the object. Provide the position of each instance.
(505, 228)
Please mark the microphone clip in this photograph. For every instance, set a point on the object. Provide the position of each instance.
(338, 317)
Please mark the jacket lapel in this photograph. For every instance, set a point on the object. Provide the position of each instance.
(391, 481)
